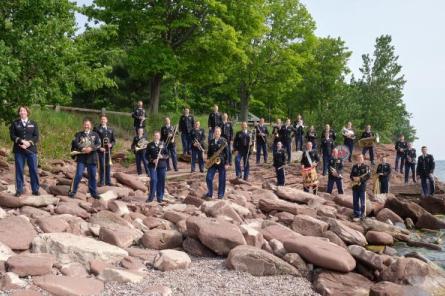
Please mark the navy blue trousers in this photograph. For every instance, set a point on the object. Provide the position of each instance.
(31, 159)
(104, 168)
(242, 156)
(157, 183)
(261, 147)
(197, 157)
(141, 161)
(91, 170)
(358, 200)
(221, 180)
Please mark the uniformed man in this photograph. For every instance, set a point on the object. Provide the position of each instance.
(139, 147)
(167, 132)
(276, 134)
(384, 173)
(227, 133)
(215, 120)
(198, 137)
(25, 135)
(286, 133)
(215, 144)
(327, 145)
(332, 134)
(279, 162)
(348, 139)
(310, 159)
(106, 135)
(410, 163)
(157, 157)
(139, 116)
(186, 124)
(360, 174)
(242, 145)
(335, 173)
(368, 134)
(261, 140)
(299, 132)
(311, 136)
(86, 143)
(401, 147)
(425, 171)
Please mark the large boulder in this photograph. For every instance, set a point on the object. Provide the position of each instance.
(160, 239)
(220, 208)
(72, 208)
(68, 248)
(296, 195)
(367, 258)
(392, 289)
(195, 248)
(429, 221)
(9, 201)
(69, 286)
(379, 238)
(17, 232)
(131, 181)
(307, 225)
(120, 276)
(386, 214)
(268, 205)
(347, 234)
(30, 264)
(5, 252)
(279, 232)
(346, 284)
(113, 221)
(53, 224)
(118, 236)
(321, 253)
(433, 204)
(253, 236)
(258, 262)
(168, 260)
(219, 236)
(405, 209)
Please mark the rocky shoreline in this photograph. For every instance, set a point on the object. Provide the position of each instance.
(259, 240)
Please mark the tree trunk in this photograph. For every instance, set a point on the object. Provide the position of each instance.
(155, 91)
(244, 102)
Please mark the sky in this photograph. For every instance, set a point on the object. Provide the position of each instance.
(417, 29)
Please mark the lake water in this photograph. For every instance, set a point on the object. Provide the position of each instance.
(440, 170)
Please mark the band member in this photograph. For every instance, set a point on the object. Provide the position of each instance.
(327, 145)
(360, 175)
(242, 145)
(215, 120)
(139, 116)
(410, 163)
(332, 134)
(87, 142)
(227, 133)
(311, 136)
(167, 132)
(401, 146)
(286, 137)
(261, 139)
(25, 135)
(384, 173)
(425, 171)
(279, 162)
(335, 173)
(139, 147)
(310, 160)
(368, 134)
(299, 133)
(106, 135)
(276, 134)
(198, 137)
(348, 138)
(186, 124)
(216, 144)
(157, 157)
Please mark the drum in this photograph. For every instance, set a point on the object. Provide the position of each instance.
(298, 156)
(310, 177)
(343, 152)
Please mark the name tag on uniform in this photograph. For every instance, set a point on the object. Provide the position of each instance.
(30, 125)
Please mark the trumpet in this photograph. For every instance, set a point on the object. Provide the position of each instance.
(198, 145)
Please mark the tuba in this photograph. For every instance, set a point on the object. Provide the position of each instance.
(369, 142)
(216, 157)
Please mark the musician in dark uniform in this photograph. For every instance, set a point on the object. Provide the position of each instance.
(198, 138)
(216, 144)
(286, 137)
(139, 116)
(310, 159)
(242, 145)
(311, 136)
(157, 157)
(227, 133)
(186, 124)
(261, 139)
(215, 120)
(167, 133)
(360, 173)
(139, 147)
(276, 134)
(368, 134)
(332, 134)
(327, 145)
(87, 142)
(425, 171)
(335, 173)
(410, 163)
(348, 139)
(279, 161)
(25, 135)
(384, 173)
(107, 139)
(400, 146)
(299, 133)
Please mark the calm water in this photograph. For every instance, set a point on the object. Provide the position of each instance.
(440, 170)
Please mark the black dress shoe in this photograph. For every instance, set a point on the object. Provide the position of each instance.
(36, 193)
(95, 196)
(18, 194)
(71, 194)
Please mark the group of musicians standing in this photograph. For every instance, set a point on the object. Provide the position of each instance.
(93, 146)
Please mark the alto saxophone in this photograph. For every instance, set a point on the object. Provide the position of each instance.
(216, 157)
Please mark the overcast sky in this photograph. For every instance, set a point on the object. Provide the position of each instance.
(417, 28)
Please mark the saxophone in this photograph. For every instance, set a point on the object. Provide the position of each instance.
(216, 157)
